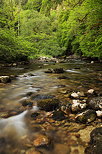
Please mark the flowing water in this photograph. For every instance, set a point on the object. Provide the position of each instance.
(81, 76)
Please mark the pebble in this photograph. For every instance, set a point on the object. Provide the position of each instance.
(41, 140)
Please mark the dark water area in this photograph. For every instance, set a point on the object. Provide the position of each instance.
(17, 132)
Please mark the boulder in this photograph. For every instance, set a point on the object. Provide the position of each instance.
(95, 103)
(95, 145)
(48, 104)
(58, 115)
(86, 116)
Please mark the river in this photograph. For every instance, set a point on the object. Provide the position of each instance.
(16, 130)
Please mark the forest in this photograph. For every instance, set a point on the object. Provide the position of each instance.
(33, 28)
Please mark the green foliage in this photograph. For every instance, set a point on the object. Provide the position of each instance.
(33, 5)
(80, 30)
(50, 27)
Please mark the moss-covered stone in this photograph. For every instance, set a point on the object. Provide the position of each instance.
(58, 115)
(95, 145)
(86, 117)
(48, 104)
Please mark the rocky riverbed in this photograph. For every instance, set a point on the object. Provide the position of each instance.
(53, 109)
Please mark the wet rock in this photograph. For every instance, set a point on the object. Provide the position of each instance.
(86, 116)
(48, 104)
(74, 95)
(49, 71)
(77, 95)
(99, 114)
(80, 94)
(34, 115)
(58, 115)
(12, 77)
(31, 74)
(41, 141)
(29, 94)
(58, 70)
(96, 103)
(26, 103)
(95, 145)
(62, 77)
(78, 106)
(5, 79)
(91, 91)
(66, 108)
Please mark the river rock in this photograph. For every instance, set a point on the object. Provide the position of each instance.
(5, 79)
(78, 106)
(74, 95)
(91, 91)
(49, 71)
(86, 116)
(34, 115)
(99, 114)
(77, 94)
(58, 70)
(33, 151)
(95, 145)
(41, 141)
(58, 115)
(48, 104)
(62, 77)
(26, 103)
(96, 103)
(31, 74)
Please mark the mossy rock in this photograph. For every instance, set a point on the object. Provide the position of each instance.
(58, 115)
(95, 144)
(48, 104)
(96, 103)
(86, 117)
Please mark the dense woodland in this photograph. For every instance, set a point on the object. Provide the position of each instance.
(32, 28)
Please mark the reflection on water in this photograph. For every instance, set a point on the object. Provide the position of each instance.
(81, 76)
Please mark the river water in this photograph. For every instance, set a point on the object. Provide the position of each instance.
(81, 76)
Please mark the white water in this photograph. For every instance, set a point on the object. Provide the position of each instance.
(16, 125)
(72, 71)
